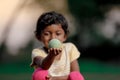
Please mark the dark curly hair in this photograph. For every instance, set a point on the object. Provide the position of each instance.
(50, 18)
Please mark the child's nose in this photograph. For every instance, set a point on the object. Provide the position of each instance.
(53, 36)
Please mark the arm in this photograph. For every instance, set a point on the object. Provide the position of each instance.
(74, 66)
(43, 62)
(46, 62)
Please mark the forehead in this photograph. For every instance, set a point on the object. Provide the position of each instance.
(54, 27)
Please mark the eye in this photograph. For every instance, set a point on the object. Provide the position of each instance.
(58, 33)
(46, 33)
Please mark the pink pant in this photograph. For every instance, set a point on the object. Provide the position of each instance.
(40, 74)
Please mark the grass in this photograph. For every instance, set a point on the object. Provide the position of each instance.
(91, 69)
(96, 70)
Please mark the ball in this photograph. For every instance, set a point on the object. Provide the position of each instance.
(54, 43)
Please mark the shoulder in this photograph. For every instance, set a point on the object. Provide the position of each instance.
(37, 50)
(69, 46)
(72, 50)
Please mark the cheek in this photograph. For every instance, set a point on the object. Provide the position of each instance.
(63, 38)
(44, 38)
(45, 41)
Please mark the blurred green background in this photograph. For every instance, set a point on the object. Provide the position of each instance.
(94, 29)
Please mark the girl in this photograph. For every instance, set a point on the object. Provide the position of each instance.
(54, 63)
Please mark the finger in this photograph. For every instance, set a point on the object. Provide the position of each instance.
(52, 51)
(47, 77)
(55, 51)
(60, 50)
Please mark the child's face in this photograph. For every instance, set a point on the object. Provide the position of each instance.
(51, 32)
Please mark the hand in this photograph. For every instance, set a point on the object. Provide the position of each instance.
(48, 77)
(54, 51)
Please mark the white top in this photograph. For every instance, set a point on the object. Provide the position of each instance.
(60, 67)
